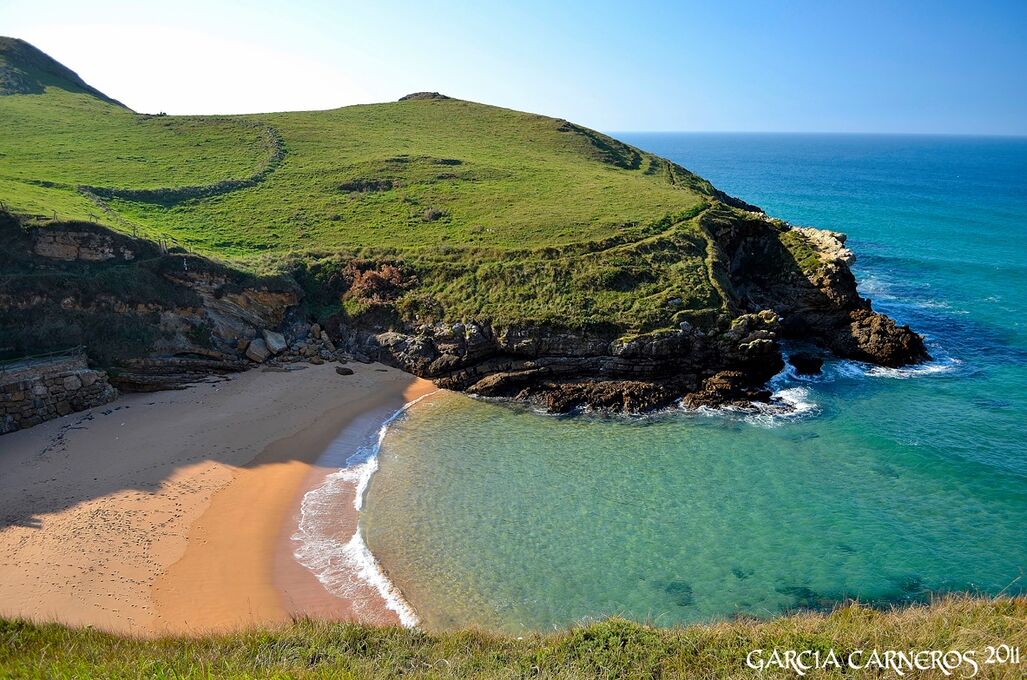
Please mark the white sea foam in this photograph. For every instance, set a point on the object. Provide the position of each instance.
(945, 365)
(346, 567)
(883, 290)
(784, 405)
(787, 402)
(858, 369)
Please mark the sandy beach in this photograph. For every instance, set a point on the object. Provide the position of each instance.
(172, 512)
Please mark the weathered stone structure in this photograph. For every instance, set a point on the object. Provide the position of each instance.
(87, 246)
(35, 390)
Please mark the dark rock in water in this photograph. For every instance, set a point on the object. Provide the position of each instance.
(992, 403)
(911, 585)
(877, 338)
(803, 436)
(343, 370)
(681, 592)
(806, 363)
(741, 574)
(807, 598)
(606, 395)
(886, 470)
(727, 388)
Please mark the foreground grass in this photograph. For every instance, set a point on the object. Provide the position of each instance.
(612, 648)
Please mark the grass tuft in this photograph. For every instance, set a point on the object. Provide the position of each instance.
(613, 648)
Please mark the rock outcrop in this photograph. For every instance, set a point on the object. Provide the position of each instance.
(90, 246)
(157, 319)
(422, 95)
(803, 274)
(777, 281)
(275, 342)
(561, 371)
(164, 319)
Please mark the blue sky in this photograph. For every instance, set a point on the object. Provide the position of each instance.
(933, 67)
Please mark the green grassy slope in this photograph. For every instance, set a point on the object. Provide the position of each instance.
(362, 175)
(499, 215)
(428, 173)
(608, 649)
(26, 70)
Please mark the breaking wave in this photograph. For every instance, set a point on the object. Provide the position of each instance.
(345, 566)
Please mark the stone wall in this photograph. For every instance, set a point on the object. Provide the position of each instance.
(79, 245)
(32, 391)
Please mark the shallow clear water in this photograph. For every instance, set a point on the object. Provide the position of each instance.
(883, 485)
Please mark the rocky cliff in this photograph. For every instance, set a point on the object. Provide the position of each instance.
(776, 281)
(159, 318)
(155, 318)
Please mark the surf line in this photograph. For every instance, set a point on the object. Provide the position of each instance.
(343, 567)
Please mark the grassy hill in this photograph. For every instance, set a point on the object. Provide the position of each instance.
(26, 70)
(420, 172)
(500, 215)
(608, 649)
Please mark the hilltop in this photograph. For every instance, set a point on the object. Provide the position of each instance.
(25, 69)
(496, 251)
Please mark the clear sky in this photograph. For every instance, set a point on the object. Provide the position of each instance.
(821, 66)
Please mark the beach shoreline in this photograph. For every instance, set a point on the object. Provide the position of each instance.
(172, 512)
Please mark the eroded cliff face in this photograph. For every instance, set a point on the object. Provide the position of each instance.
(803, 274)
(776, 280)
(159, 319)
(561, 371)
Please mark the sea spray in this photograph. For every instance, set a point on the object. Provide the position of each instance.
(788, 401)
(345, 567)
(791, 396)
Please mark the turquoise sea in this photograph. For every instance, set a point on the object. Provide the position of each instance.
(879, 484)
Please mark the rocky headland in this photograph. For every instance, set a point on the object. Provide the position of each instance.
(777, 281)
(156, 318)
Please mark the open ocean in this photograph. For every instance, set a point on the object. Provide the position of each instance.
(886, 485)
